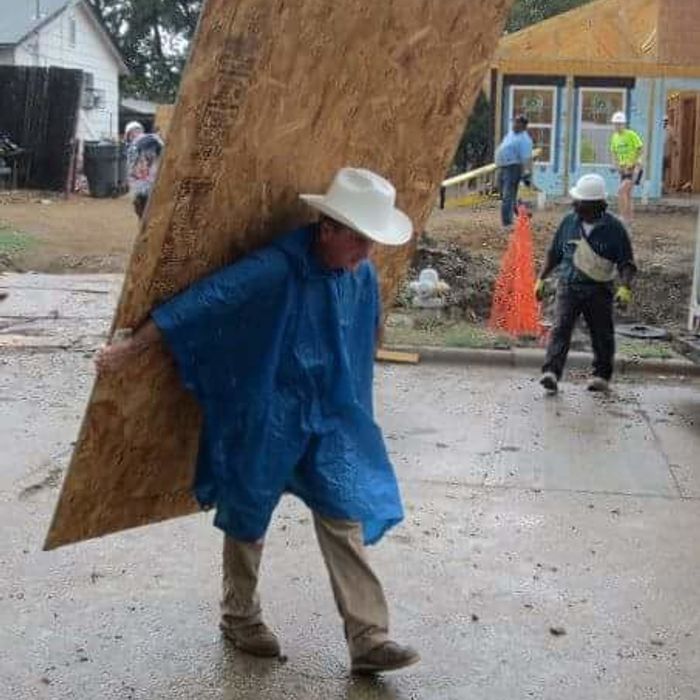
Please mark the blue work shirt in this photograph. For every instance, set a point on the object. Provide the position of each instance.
(608, 238)
(279, 352)
(515, 149)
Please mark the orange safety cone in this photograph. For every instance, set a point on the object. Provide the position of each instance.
(514, 309)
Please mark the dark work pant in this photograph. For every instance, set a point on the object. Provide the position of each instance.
(509, 179)
(140, 202)
(595, 303)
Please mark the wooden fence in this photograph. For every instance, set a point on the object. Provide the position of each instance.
(39, 108)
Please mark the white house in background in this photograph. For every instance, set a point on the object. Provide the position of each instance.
(67, 34)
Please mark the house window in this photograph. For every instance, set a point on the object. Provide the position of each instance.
(597, 106)
(539, 105)
(88, 101)
(72, 31)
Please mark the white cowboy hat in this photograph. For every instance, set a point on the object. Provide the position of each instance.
(589, 188)
(365, 202)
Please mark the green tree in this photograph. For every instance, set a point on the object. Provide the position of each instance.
(154, 37)
(474, 147)
(527, 12)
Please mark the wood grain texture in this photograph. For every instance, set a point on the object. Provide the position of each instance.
(679, 32)
(641, 38)
(277, 96)
(164, 117)
(683, 111)
(593, 37)
(397, 356)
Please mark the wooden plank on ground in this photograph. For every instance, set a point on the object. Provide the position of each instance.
(397, 356)
(277, 96)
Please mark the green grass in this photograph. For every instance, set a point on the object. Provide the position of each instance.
(14, 242)
(645, 349)
(465, 335)
(431, 332)
(443, 334)
(414, 336)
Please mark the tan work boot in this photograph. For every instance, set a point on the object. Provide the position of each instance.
(257, 639)
(389, 656)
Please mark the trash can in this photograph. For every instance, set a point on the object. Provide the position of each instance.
(123, 183)
(101, 164)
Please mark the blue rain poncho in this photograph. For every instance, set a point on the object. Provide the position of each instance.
(279, 352)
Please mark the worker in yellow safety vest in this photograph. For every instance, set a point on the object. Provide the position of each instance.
(626, 146)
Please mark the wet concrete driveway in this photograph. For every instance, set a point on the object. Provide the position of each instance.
(550, 548)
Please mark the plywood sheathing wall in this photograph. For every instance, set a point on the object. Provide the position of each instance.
(277, 96)
(604, 37)
(679, 32)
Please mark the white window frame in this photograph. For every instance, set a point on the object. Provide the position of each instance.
(579, 120)
(540, 125)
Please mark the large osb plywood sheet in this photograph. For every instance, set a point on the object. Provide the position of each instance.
(164, 116)
(277, 96)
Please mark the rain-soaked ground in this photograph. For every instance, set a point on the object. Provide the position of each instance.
(550, 547)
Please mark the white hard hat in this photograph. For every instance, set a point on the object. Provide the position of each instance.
(619, 118)
(132, 126)
(589, 188)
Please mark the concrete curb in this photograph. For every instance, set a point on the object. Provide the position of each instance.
(531, 358)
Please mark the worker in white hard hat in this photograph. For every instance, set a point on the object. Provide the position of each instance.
(278, 350)
(626, 147)
(590, 248)
(132, 131)
(143, 158)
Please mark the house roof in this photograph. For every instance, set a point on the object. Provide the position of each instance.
(136, 106)
(18, 20)
(19, 17)
(601, 38)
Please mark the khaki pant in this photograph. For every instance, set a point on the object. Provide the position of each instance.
(358, 593)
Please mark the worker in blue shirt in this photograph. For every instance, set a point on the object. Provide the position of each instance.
(278, 349)
(590, 248)
(514, 162)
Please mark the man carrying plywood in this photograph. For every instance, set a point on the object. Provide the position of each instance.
(278, 349)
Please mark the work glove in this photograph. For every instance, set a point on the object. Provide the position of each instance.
(623, 297)
(540, 289)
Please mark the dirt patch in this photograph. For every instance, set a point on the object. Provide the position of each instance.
(664, 243)
(79, 234)
(662, 297)
(43, 233)
(471, 276)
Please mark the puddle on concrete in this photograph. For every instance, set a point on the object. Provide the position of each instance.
(50, 481)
